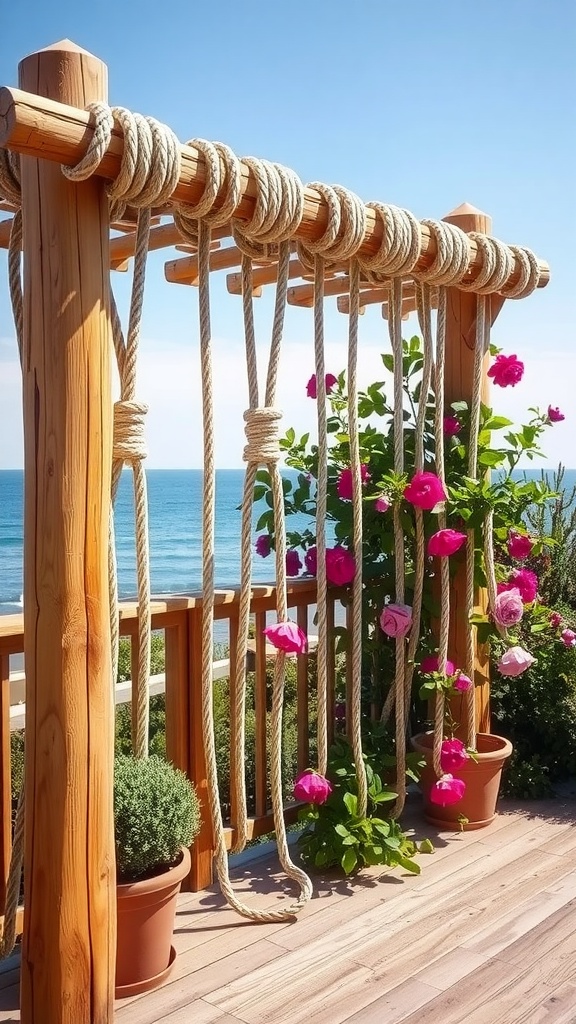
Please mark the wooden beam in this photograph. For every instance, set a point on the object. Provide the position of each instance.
(69, 945)
(185, 270)
(33, 125)
(458, 382)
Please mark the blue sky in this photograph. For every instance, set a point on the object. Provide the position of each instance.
(419, 104)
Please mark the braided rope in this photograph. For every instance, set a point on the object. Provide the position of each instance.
(439, 376)
(321, 502)
(354, 443)
(395, 331)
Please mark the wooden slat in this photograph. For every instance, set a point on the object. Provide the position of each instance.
(236, 763)
(5, 777)
(260, 711)
(330, 669)
(201, 871)
(303, 723)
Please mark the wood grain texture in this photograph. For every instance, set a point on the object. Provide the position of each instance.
(70, 937)
(486, 934)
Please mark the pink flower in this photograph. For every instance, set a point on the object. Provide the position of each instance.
(344, 486)
(311, 560)
(312, 389)
(462, 683)
(447, 790)
(293, 563)
(555, 620)
(287, 636)
(396, 619)
(263, 545)
(453, 755)
(452, 426)
(568, 637)
(429, 664)
(519, 545)
(312, 788)
(526, 582)
(382, 504)
(445, 542)
(509, 608)
(506, 371)
(425, 490)
(554, 414)
(340, 566)
(515, 661)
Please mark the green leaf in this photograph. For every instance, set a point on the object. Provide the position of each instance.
(491, 458)
(349, 861)
(341, 830)
(409, 865)
(350, 803)
(388, 361)
(426, 846)
(497, 423)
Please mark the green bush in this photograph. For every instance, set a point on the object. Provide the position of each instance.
(156, 813)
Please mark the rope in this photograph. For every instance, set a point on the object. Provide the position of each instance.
(321, 502)
(356, 661)
(395, 331)
(444, 562)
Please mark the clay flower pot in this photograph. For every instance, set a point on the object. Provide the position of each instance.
(482, 778)
(146, 911)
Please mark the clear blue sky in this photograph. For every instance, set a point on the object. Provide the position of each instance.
(420, 104)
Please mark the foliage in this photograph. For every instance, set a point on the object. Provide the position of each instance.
(336, 835)
(556, 566)
(156, 813)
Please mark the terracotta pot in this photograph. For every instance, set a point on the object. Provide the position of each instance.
(146, 911)
(482, 778)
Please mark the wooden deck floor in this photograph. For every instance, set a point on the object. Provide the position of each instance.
(485, 935)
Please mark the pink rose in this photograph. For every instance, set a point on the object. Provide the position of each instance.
(519, 545)
(263, 545)
(287, 636)
(447, 790)
(452, 426)
(462, 683)
(453, 755)
(293, 563)
(312, 388)
(312, 788)
(515, 661)
(382, 504)
(429, 664)
(445, 543)
(568, 637)
(506, 371)
(425, 490)
(311, 560)
(509, 608)
(554, 414)
(526, 582)
(555, 620)
(340, 566)
(344, 486)
(396, 619)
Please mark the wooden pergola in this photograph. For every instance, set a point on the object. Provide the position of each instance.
(68, 952)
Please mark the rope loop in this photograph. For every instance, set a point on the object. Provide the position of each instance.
(10, 177)
(151, 157)
(278, 210)
(401, 244)
(262, 435)
(345, 230)
(529, 274)
(452, 260)
(129, 440)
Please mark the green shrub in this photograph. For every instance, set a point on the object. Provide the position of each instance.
(526, 779)
(156, 813)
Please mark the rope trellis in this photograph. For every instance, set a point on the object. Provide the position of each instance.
(149, 173)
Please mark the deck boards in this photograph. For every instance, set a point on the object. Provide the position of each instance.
(485, 935)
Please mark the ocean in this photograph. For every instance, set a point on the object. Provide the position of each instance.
(175, 519)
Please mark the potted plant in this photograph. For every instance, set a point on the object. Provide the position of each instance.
(156, 818)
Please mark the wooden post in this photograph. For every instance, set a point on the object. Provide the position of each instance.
(459, 376)
(68, 954)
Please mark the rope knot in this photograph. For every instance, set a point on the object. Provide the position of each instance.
(129, 441)
(262, 434)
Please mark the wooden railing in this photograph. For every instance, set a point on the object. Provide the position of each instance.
(179, 619)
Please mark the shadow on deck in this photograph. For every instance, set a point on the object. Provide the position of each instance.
(485, 935)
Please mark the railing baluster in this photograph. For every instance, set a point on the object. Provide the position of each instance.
(330, 668)
(303, 720)
(260, 714)
(5, 778)
(348, 668)
(203, 848)
(236, 766)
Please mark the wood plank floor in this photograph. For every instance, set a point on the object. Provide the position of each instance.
(485, 935)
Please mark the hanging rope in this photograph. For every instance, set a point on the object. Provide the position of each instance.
(439, 376)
